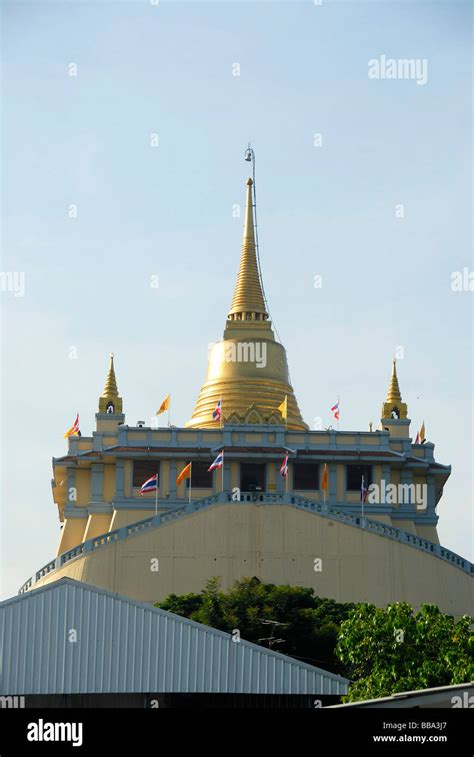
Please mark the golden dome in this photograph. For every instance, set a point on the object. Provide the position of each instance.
(247, 369)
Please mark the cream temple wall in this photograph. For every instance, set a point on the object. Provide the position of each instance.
(279, 544)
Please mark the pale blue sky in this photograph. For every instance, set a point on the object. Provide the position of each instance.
(167, 211)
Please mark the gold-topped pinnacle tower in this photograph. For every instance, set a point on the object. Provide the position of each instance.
(109, 400)
(394, 411)
(393, 394)
(247, 369)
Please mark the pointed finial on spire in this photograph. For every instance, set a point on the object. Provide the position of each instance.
(393, 394)
(248, 302)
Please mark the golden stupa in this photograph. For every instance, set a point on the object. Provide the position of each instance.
(393, 407)
(109, 400)
(247, 370)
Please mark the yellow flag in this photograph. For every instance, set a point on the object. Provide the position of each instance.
(185, 473)
(422, 433)
(164, 405)
(324, 483)
(283, 408)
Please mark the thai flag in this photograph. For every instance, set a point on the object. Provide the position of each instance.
(335, 410)
(74, 430)
(363, 491)
(284, 467)
(151, 485)
(218, 462)
(218, 411)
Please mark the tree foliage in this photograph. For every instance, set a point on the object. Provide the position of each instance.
(395, 649)
(383, 651)
(288, 619)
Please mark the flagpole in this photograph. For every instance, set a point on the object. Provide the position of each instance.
(169, 411)
(156, 495)
(190, 479)
(222, 469)
(338, 412)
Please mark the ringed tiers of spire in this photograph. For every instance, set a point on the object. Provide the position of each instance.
(393, 394)
(248, 301)
(110, 386)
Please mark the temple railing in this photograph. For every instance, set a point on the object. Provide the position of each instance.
(265, 498)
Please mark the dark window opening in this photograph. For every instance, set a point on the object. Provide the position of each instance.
(143, 470)
(200, 476)
(252, 477)
(306, 476)
(354, 475)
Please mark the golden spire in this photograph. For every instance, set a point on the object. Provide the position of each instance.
(248, 302)
(393, 408)
(393, 394)
(110, 386)
(109, 400)
(247, 370)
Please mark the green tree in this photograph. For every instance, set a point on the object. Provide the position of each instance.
(288, 619)
(395, 649)
(185, 605)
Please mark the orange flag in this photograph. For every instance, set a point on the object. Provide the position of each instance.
(324, 483)
(164, 405)
(185, 473)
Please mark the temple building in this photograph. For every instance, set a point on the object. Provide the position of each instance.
(355, 518)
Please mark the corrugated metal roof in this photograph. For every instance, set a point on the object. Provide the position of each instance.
(128, 646)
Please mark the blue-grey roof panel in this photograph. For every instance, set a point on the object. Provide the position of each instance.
(73, 638)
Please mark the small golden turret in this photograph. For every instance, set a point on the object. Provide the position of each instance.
(393, 407)
(393, 394)
(109, 400)
(247, 369)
